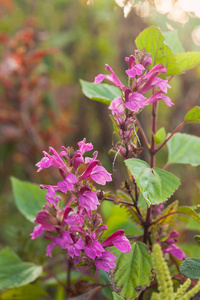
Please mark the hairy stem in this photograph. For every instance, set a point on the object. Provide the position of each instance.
(146, 224)
(142, 134)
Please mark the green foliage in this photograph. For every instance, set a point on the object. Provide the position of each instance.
(118, 218)
(117, 297)
(172, 40)
(160, 135)
(190, 267)
(14, 272)
(101, 92)
(153, 41)
(193, 116)
(27, 292)
(29, 198)
(188, 60)
(156, 185)
(184, 149)
(133, 271)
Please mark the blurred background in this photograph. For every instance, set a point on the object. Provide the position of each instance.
(45, 48)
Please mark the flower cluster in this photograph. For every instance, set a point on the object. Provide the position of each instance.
(77, 227)
(124, 108)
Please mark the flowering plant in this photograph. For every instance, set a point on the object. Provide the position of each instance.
(77, 226)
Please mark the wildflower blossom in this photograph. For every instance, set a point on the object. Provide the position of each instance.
(77, 227)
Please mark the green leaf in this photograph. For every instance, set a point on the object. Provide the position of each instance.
(29, 198)
(14, 272)
(191, 268)
(27, 292)
(116, 297)
(189, 212)
(133, 271)
(153, 41)
(184, 149)
(101, 92)
(188, 60)
(160, 135)
(193, 116)
(155, 185)
(172, 40)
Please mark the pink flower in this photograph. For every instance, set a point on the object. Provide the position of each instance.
(118, 240)
(94, 249)
(106, 261)
(134, 101)
(158, 96)
(84, 147)
(64, 241)
(51, 160)
(100, 175)
(88, 199)
(67, 183)
(50, 196)
(112, 78)
(75, 250)
(136, 70)
(117, 106)
(175, 251)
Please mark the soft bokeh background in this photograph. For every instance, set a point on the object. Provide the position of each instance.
(45, 48)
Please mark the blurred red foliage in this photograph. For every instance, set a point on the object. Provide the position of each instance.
(29, 117)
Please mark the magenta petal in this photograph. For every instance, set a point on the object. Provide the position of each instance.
(117, 106)
(84, 147)
(122, 243)
(176, 251)
(99, 78)
(106, 261)
(37, 231)
(90, 252)
(89, 200)
(49, 249)
(100, 175)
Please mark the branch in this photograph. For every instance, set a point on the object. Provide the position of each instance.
(142, 134)
(175, 130)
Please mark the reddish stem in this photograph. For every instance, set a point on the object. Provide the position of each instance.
(175, 130)
(142, 134)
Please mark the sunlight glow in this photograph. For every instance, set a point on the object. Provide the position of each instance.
(163, 7)
(177, 14)
(142, 9)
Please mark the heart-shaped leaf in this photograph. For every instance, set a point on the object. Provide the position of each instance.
(156, 185)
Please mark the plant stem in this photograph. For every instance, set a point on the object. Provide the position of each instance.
(175, 130)
(147, 223)
(54, 276)
(142, 134)
(69, 264)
